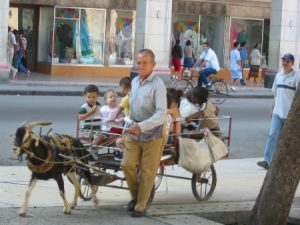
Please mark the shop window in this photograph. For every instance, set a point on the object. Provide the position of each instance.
(186, 27)
(65, 35)
(212, 31)
(122, 33)
(200, 29)
(246, 30)
(78, 36)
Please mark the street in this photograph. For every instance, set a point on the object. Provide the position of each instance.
(249, 127)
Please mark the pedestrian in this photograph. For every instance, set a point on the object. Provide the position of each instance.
(209, 60)
(255, 60)
(24, 42)
(284, 89)
(20, 52)
(188, 60)
(176, 59)
(235, 65)
(244, 58)
(11, 50)
(146, 136)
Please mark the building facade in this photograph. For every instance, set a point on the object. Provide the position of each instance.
(101, 38)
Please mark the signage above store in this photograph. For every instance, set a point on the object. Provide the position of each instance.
(203, 8)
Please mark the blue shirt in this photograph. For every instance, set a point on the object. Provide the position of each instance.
(234, 58)
(244, 54)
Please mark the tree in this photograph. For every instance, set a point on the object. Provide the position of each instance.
(274, 201)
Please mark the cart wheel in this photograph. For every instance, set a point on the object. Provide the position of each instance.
(204, 184)
(159, 177)
(183, 84)
(85, 189)
(219, 93)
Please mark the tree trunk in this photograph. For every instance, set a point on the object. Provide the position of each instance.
(274, 201)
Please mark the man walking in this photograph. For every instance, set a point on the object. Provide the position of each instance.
(284, 89)
(147, 135)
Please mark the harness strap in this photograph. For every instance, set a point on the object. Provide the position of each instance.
(44, 167)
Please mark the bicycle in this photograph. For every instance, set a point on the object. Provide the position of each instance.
(218, 93)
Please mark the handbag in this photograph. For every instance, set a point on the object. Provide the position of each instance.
(198, 156)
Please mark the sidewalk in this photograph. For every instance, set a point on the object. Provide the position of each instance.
(238, 184)
(43, 84)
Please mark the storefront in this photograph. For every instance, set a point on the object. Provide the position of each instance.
(221, 24)
(77, 38)
(97, 38)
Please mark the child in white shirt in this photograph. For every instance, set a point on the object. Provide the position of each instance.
(108, 112)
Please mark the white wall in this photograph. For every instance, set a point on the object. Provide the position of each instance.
(4, 6)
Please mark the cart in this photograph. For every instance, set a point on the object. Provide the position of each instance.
(203, 184)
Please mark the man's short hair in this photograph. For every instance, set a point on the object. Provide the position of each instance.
(148, 52)
(236, 43)
(206, 43)
(243, 43)
(125, 81)
(91, 88)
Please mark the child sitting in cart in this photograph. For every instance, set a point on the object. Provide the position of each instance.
(124, 106)
(207, 112)
(89, 114)
(173, 124)
(110, 122)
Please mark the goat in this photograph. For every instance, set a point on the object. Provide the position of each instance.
(45, 162)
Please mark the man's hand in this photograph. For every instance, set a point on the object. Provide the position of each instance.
(135, 129)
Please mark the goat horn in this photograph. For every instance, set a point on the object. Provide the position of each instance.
(39, 123)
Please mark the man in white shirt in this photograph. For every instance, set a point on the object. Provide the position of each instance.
(284, 89)
(209, 60)
(11, 50)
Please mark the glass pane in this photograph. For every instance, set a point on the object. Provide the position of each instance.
(212, 31)
(122, 34)
(249, 31)
(65, 36)
(185, 27)
(45, 35)
(91, 36)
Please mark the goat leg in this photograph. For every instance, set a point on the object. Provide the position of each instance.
(60, 183)
(24, 208)
(76, 184)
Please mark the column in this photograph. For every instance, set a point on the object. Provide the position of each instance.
(284, 32)
(4, 9)
(153, 30)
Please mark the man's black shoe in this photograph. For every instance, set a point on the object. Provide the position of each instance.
(131, 205)
(243, 83)
(138, 214)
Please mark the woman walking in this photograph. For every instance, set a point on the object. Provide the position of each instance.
(176, 59)
(255, 59)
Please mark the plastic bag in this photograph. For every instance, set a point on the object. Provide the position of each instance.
(198, 156)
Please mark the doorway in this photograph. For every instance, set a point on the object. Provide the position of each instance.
(25, 18)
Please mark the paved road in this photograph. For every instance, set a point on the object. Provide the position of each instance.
(249, 129)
